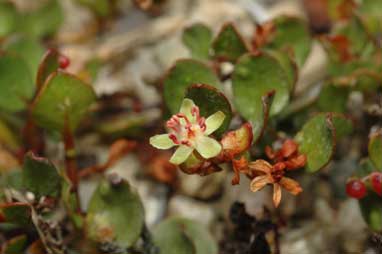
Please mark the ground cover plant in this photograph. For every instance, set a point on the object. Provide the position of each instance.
(231, 121)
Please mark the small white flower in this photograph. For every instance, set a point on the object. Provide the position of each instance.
(190, 132)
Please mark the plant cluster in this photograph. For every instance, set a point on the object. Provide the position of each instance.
(232, 106)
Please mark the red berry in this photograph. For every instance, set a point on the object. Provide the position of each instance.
(64, 62)
(376, 182)
(356, 189)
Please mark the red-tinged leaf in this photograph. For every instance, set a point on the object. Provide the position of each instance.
(17, 213)
(237, 141)
(262, 35)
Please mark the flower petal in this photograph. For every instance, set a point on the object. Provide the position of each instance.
(261, 165)
(290, 185)
(213, 122)
(207, 147)
(181, 154)
(276, 194)
(186, 108)
(259, 182)
(162, 141)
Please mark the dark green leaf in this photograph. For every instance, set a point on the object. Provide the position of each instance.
(15, 245)
(229, 44)
(317, 141)
(197, 39)
(210, 100)
(292, 33)
(183, 236)
(333, 98)
(17, 213)
(254, 77)
(115, 215)
(343, 125)
(40, 176)
(371, 208)
(62, 98)
(183, 74)
(16, 84)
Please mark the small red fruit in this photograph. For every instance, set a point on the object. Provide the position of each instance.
(64, 62)
(376, 182)
(356, 189)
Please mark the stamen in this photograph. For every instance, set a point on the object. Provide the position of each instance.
(202, 123)
(174, 139)
(186, 142)
(195, 112)
(181, 115)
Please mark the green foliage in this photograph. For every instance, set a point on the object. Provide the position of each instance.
(229, 44)
(100, 7)
(8, 18)
(183, 236)
(292, 33)
(16, 83)
(333, 98)
(375, 150)
(183, 74)
(115, 214)
(41, 177)
(211, 101)
(197, 38)
(62, 100)
(17, 213)
(371, 208)
(29, 49)
(255, 76)
(15, 245)
(317, 141)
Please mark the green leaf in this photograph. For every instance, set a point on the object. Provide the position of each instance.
(333, 98)
(292, 33)
(115, 214)
(17, 213)
(29, 49)
(210, 100)
(197, 38)
(183, 74)
(16, 84)
(45, 21)
(288, 64)
(15, 245)
(8, 19)
(371, 15)
(317, 141)
(375, 150)
(40, 176)
(48, 65)
(62, 97)
(229, 44)
(255, 76)
(183, 236)
(371, 208)
(343, 125)
(100, 7)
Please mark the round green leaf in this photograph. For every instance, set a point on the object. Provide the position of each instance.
(115, 215)
(40, 176)
(292, 32)
(317, 141)
(254, 77)
(8, 19)
(16, 84)
(48, 65)
(210, 100)
(375, 150)
(44, 21)
(229, 45)
(29, 49)
(183, 74)
(342, 124)
(183, 236)
(197, 38)
(62, 98)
